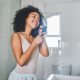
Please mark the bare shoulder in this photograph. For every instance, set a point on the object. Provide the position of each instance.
(14, 34)
(15, 37)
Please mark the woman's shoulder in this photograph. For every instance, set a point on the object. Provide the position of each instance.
(15, 35)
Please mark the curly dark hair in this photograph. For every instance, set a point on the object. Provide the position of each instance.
(19, 20)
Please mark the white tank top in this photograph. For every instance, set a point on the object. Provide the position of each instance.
(30, 67)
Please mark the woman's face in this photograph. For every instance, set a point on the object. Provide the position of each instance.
(33, 20)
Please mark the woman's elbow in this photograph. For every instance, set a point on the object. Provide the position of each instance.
(47, 55)
(21, 63)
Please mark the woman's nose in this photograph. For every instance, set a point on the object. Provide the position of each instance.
(37, 19)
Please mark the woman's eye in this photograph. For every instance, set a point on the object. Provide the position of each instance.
(33, 16)
(38, 19)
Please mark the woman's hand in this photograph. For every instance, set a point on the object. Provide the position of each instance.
(38, 40)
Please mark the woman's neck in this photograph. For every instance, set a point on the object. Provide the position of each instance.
(27, 31)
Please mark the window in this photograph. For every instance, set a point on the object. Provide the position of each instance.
(53, 31)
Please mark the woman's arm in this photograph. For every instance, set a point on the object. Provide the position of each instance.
(21, 57)
(43, 49)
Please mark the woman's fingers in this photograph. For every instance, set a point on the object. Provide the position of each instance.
(41, 34)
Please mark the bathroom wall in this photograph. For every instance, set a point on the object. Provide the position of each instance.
(70, 30)
(7, 62)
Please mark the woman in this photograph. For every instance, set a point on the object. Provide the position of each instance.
(27, 43)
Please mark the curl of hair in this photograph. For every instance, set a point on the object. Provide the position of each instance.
(21, 15)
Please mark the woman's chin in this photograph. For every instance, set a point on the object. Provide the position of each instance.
(34, 27)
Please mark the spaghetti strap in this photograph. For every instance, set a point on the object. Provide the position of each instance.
(21, 35)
